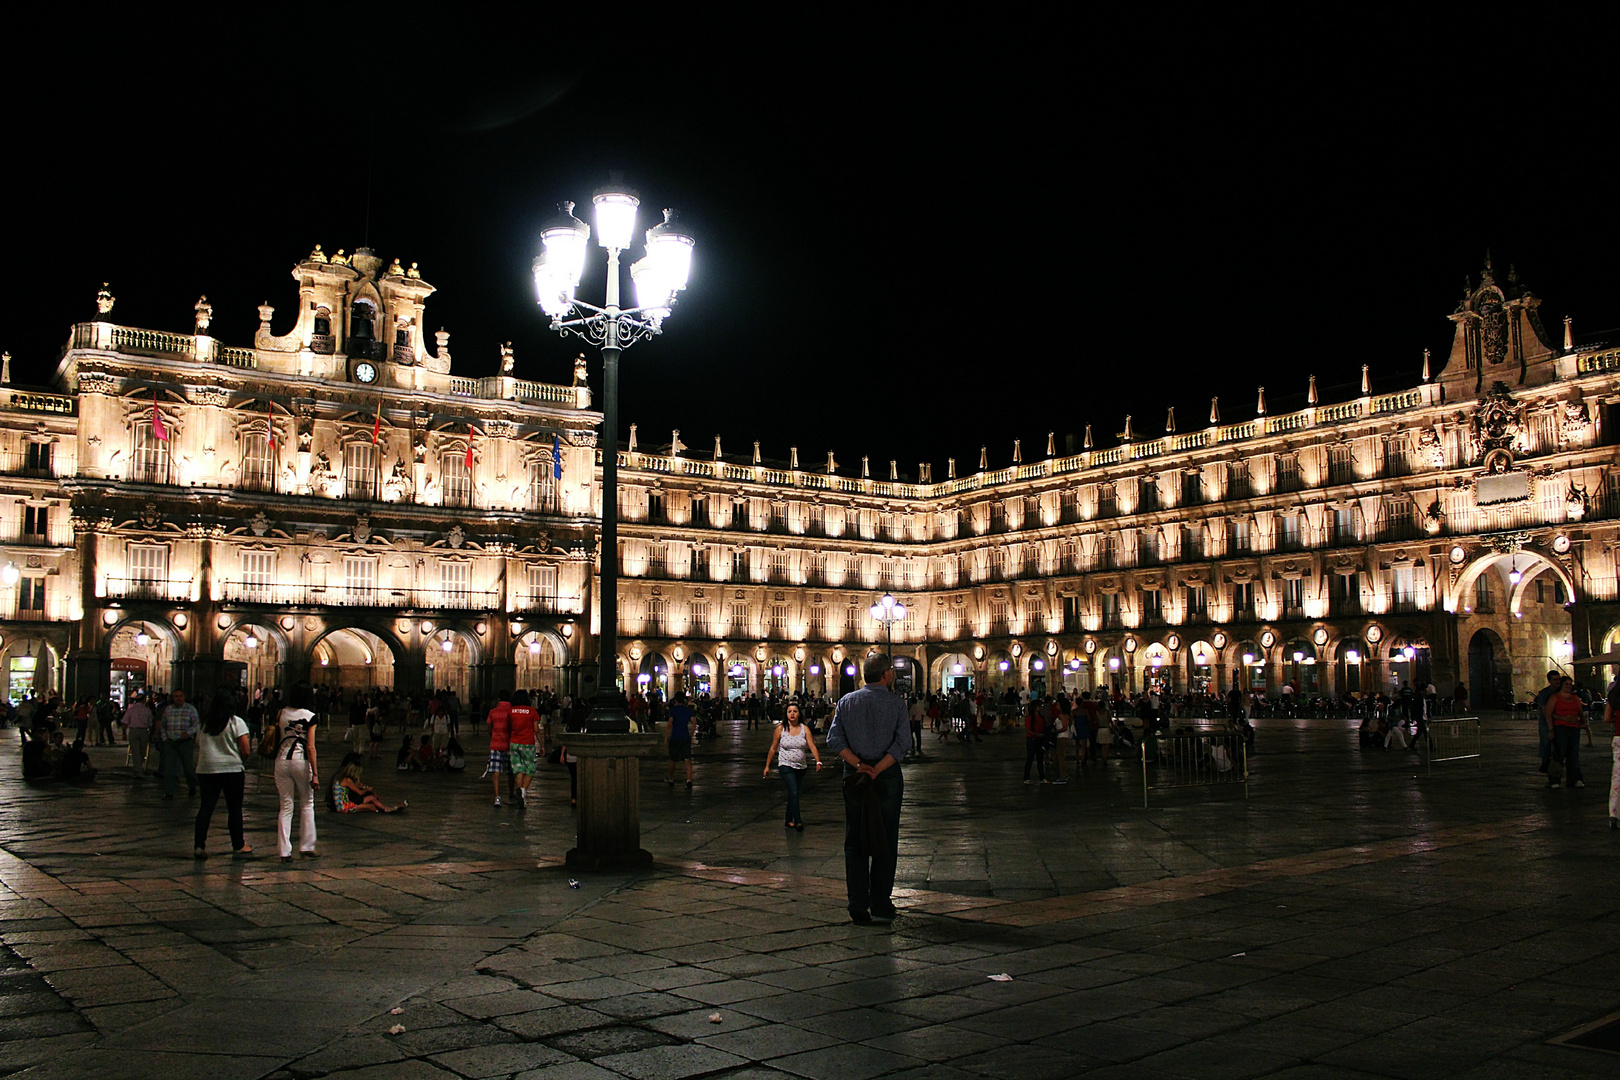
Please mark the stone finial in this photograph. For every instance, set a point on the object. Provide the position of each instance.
(580, 376)
(1366, 380)
(950, 468)
(793, 458)
(894, 469)
(1086, 443)
(413, 272)
(266, 310)
(205, 314)
(1018, 451)
(1127, 435)
(395, 268)
(5, 369)
(717, 448)
(508, 361)
(442, 338)
(1170, 421)
(984, 458)
(925, 473)
(832, 463)
(1051, 443)
(756, 452)
(632, 438)
(675, 444)
(1260, 406)
(1426, 375)
(104, 300)
(1569, 334)
(1310, 394)
(1214, 410)
(866, 468)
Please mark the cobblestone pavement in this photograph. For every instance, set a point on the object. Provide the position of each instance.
(1352, 918)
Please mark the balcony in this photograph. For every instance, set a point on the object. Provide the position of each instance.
(171, 590)
(349, 596)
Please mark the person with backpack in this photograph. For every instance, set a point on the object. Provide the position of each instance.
(297, 776)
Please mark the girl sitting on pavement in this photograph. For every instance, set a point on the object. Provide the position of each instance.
(351, 795)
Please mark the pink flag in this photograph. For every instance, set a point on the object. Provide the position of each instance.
(471, 431)
(158, 430)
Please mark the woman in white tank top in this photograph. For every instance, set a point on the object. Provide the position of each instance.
(792, 746)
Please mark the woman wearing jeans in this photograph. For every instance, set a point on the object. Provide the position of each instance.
(296, 775)
(789, 746)
(222, 750)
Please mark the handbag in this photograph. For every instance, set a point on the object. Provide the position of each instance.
(269, 741)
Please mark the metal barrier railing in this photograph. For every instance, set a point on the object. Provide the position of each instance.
(1453, 739)
(1194, 759)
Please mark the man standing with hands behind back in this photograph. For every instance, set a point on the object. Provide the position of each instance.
(871, 734)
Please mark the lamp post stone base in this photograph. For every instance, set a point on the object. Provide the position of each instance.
(610, 800)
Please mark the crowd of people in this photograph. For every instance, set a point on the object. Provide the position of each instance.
(1064, 733)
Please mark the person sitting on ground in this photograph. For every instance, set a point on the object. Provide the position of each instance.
(36, 758)
(425, 757)
(404, 760)
(455, 758)
(351, 795)
(74, 765)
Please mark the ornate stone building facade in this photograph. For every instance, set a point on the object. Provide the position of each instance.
(332, 503)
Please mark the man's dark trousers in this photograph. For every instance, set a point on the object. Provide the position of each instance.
(870, 879)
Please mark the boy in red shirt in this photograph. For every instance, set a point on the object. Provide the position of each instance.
(500, 760)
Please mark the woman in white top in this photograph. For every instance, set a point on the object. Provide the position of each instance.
(296, 775)
(789, 746)
(223, 746)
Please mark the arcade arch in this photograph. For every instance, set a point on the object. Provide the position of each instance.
(143, 653)
(350, 658)
(30, 664)
(262, 652)
(539, 657)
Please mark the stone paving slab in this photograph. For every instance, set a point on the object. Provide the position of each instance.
(1352, 918)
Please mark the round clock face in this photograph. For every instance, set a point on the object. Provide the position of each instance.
(366, 372)
(1561, 544)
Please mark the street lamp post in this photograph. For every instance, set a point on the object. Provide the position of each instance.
(888, 611)
(657, 278)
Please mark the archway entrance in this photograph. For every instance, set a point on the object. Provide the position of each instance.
(352, 659)
(449, 663)
(1489, 676)
(259, 653)
(30, 666)
(537, 662)
(141, 658)
(955, 673)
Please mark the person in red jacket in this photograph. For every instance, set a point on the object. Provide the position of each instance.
(522, 720)
(500, 760)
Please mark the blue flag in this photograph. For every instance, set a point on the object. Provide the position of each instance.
(556, 456)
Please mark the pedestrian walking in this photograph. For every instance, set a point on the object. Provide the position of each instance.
(870, 733)
(789, 746)
(522, 721)
(1035, 743)
(177, 744)
(138, 731)
(499, 768)
(297, 773)
(223, 746)
(678, 739)
(1564, 711)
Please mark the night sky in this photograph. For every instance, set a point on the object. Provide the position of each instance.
(914, 238)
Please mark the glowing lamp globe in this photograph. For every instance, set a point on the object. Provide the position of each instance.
(615, 218)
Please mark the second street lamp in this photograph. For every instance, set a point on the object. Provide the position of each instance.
(657, 278)
(888, 611)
